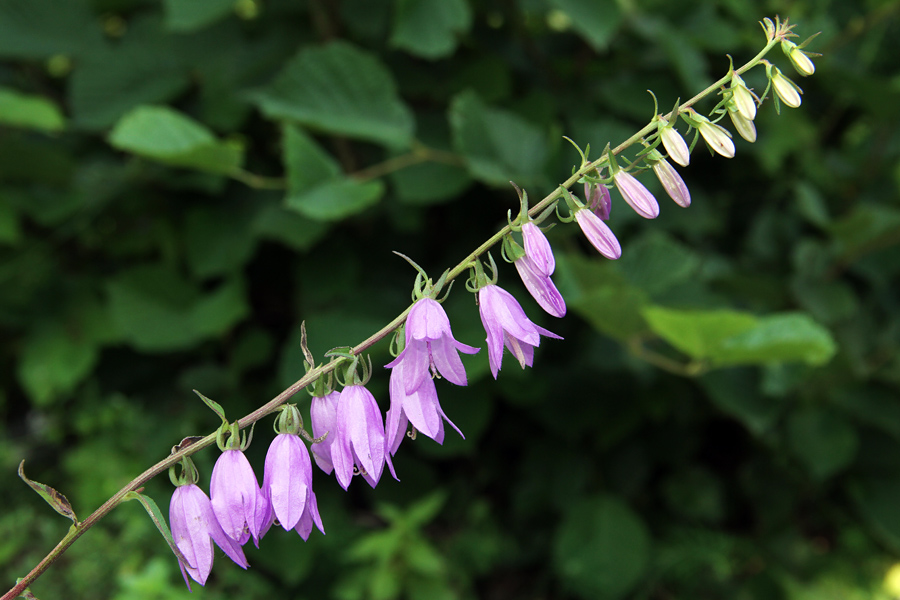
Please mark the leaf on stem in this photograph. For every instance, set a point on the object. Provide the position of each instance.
(59, 502)
(157, 517)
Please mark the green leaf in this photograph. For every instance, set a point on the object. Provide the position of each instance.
(53, 361)
(316, 187)
(498, 145)
(190, 15)
(823, 440)
(29, 111)
(655, 262)
(340, 89)
(165, 135)
(790, 337)
(595, 20)
(429, 28)
(602, 548)
(285, 226)
(37, 29)
(736, 392)
(157, 517)
(698, 333)
(877, 499)
(157, 310)
(59, 502)
(10, 232)
(219, 240)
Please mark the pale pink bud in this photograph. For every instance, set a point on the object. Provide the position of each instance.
(636, 195)
(672, 183)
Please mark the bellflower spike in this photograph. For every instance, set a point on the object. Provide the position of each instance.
(541, 288)
(672, 183)
(419, 407)
(636, 195)
(359, 437)
(430, 346)
(194, 529)
(238, 503)
(598, 234)
(287, 482)
(323, 414)
(538, 248)
(507, 325)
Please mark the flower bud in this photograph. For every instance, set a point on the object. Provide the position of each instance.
(786, 89)
(798, 58)
(675, 146)
(742, 97)
(716, 136)
(636, 195)
(745, 127)
(672, 183)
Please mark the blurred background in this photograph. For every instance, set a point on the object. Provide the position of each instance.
(182, 182)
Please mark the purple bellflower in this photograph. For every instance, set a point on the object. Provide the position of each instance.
(598, 200)
(672, 182)
(538, 249)
(358, 437)
(194, 529)
(541, 288)
(636, 195)
(507, 325)
(323, 414)
(238, 503)
(430, 346)
(287, 482)
(419, 407)
(598, 234)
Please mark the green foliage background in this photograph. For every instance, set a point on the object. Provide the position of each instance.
(182, 182)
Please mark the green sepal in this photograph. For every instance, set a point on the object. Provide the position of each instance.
(59, 502)
(157, 517)
(214, 406)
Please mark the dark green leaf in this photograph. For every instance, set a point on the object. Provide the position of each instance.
(40, 28)
(595, 20)
(340, 89)
(190, 15)
(335, 200)
(429, 28)
(54, 359)
(823, 440)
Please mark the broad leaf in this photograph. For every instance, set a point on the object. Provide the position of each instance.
(190, 15)
(29, 112)
(429, 28)
(595, 20)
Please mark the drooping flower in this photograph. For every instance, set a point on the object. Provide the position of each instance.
(194, 529)
(598, 234)
(430, 346)
(506, 324)
(238, 503)
(538, 248)
(672, 182)
(675, 146)
(323, 414)
(598, 200)
(541, 289)
(798, 58)
(419, 407)
(359, 437)
(636, 195)
(287, 482)
(787, 90)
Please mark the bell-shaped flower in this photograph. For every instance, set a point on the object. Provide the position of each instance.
(787, 90)
(323, 414)
(742, 97)
(598, 234)
(419, 407)
(636, 195)
(238, 503)
(745, 128)
(506, 324)
(538, 248)
(194, 529)
(598, 200)
(430, 346)
(358, 445)
(675, 146)
(716, 136)
(541, 288)
(798, 58)
(287, 482)
(672, 182)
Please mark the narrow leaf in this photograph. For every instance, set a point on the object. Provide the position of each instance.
(59, 502)
(157, 517)
(215, 406)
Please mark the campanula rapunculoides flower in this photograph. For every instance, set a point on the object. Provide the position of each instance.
(672, 182)
(359, 437)
(323, 414)
(786, 89)
(742, 97)
(538, 248)
(745, 128)
(598, 234)
(430, 346)
(194, 529)
(636, 195)
(506, 324)
(798, 58)
(419, 407)
(598, 200)
(238, 503)
(287, 482)
(675, 146)
(541, 289)
(715, 135)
